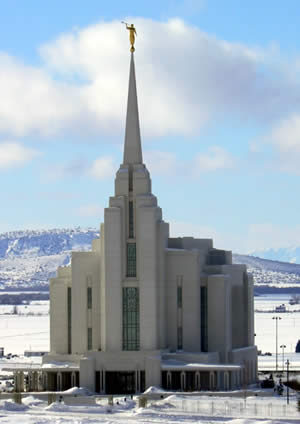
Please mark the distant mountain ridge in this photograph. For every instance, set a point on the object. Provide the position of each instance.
(29, 258)
(283, 254)
(271, 273)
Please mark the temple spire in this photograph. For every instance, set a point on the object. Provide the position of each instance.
(132, 147)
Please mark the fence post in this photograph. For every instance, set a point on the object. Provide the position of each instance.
(212, 407)
(17, 397)
(270, 410)
(142, 402)
(51, 398)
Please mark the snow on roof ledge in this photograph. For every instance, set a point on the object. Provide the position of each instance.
(179, 365)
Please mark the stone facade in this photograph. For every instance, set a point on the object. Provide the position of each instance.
(144, 309)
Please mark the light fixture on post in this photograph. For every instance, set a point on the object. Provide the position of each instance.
(283, 346)
(276, 319)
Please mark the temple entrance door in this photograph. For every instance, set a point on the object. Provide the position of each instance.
(120, 382)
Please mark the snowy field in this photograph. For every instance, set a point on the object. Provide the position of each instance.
(265, 326)
(28, 329)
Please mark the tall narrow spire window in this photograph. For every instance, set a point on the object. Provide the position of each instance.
(131, 222)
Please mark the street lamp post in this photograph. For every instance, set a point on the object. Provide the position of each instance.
(276, 320)
(287, 382)
(283, 347)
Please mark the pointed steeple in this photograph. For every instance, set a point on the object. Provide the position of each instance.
(132, 147)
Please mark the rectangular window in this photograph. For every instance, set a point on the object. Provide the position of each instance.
(90, 339)
(131, 318)
(179, 312)
(204, 319)
(89, 297)
(179, 297)
(179, 338)
(131, 226)
(69, 320)
(131, 260)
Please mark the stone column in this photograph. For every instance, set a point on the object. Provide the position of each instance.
(35, 381)
(59, 381)
(40, 381)
(16, 381)
(211, 380)
(182, 380)
(73, 379)
(30, 381)
(197, 378)
(169, 380)
(226, 380)
(45, 380)
(104, 382)
(136, 380)
(218, 380)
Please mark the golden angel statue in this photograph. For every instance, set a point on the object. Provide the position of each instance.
(132, 35)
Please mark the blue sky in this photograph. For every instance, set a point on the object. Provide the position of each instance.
(219, 98)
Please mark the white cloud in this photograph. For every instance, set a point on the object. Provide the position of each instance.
(185, 78)
(215, 159)
(167, 164)
(89, 211)
(162, 163)
(103, 167)
(58, 171)
(13, 154)
(286, 135)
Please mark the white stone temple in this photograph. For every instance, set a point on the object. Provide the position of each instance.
(142, 309)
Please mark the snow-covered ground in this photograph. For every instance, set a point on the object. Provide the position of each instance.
(29, 330)
(265, 326)
(173, 409)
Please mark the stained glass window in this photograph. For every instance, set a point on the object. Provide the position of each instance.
(131, 260)
(131, 319)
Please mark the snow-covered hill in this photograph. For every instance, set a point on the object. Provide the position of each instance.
(271, 273)
(29, 258)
